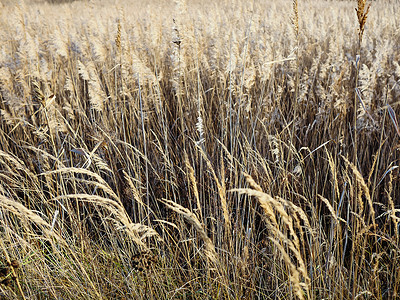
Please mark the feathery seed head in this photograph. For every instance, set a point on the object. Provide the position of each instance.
(362, 16)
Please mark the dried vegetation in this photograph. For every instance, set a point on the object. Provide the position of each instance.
(199, 150)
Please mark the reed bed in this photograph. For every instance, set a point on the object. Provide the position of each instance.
(199, 150)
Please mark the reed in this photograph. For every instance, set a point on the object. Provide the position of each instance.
(205, 149)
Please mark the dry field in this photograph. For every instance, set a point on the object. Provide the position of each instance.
(199, 149)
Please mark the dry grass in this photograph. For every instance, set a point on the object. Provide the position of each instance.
(199, 150)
